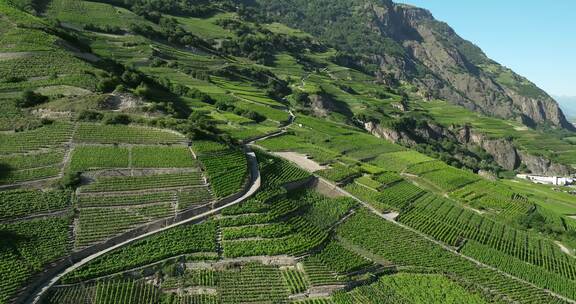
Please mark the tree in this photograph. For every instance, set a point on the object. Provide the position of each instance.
(200, 126)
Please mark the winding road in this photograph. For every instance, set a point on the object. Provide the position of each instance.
(255, 182)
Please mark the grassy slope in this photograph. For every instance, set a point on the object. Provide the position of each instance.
(329, 140)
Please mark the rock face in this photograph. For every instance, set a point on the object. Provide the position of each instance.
(457, 70)
(406, 43)
(502, 150)
(543, 166)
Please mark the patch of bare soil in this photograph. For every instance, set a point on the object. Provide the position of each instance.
(49, 114)
(64, 90)
(14, 55)
(279, 260)
(302, 161)
(196, 290)
(122, 102)
(323, 291)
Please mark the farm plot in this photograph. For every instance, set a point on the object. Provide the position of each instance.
(26, 247)
(395, 197)
(108, 200)
(276, 228)
(20, 203)
(194, 197)
(98, 157)
(388, 178)
(106, 292)
(48, 136)
(277, 171)
(403, 247)
(540, 277)
(411, 288)
(162, 157)
(138, 183)
(399, 161)
(99, 224)
(340, 260)
(31, 161)
(449, 223)
(253, 283)
(115, 134)
(295, 280)
(25, 167)
(181, 240)
(227, 168)
(421, 168)
(493, 197)
(339, 172)
(41, 64)
(450, 179)
(19, 176)
(192, 277)
(319, 274)
(296, 144)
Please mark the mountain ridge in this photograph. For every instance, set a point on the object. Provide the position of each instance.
(416, 48)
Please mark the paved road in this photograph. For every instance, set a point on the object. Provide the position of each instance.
(255, 185)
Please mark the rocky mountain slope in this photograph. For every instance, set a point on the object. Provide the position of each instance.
(401, 43)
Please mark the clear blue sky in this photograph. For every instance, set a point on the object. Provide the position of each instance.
(537, 39)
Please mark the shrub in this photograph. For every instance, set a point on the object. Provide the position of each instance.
(30, 98)
(117, 119)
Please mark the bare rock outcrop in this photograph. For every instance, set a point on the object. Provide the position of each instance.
(502, 150)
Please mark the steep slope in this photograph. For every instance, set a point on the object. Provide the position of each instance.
(404, 43)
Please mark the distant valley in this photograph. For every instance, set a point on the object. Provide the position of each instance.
(568, 105)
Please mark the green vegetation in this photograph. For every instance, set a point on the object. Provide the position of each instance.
(99, 224)
(405, 248)
(341, 260)
(162, 157)
(99, 200)
(451, 224)
(226, 167)
(114, 184)
(26, 247)
(199, 238)
(277, 171)
(295, 280)
(319, 274)
(139, 109)
(411, 288)
(238, 286)
(109, 291)
(97, 157)
(115, 134)
(48, 136)
(21, 203)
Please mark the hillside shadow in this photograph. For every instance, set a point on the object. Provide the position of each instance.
(5, 171)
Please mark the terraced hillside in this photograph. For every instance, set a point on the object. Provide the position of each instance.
(182, 152)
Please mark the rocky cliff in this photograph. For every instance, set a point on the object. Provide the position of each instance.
(503, 151)
(457, 70)
(406, 43)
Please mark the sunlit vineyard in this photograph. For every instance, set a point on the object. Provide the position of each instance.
(203, 152)
(226, 168)
(93, 133)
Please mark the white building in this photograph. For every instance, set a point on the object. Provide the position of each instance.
(548, 180)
